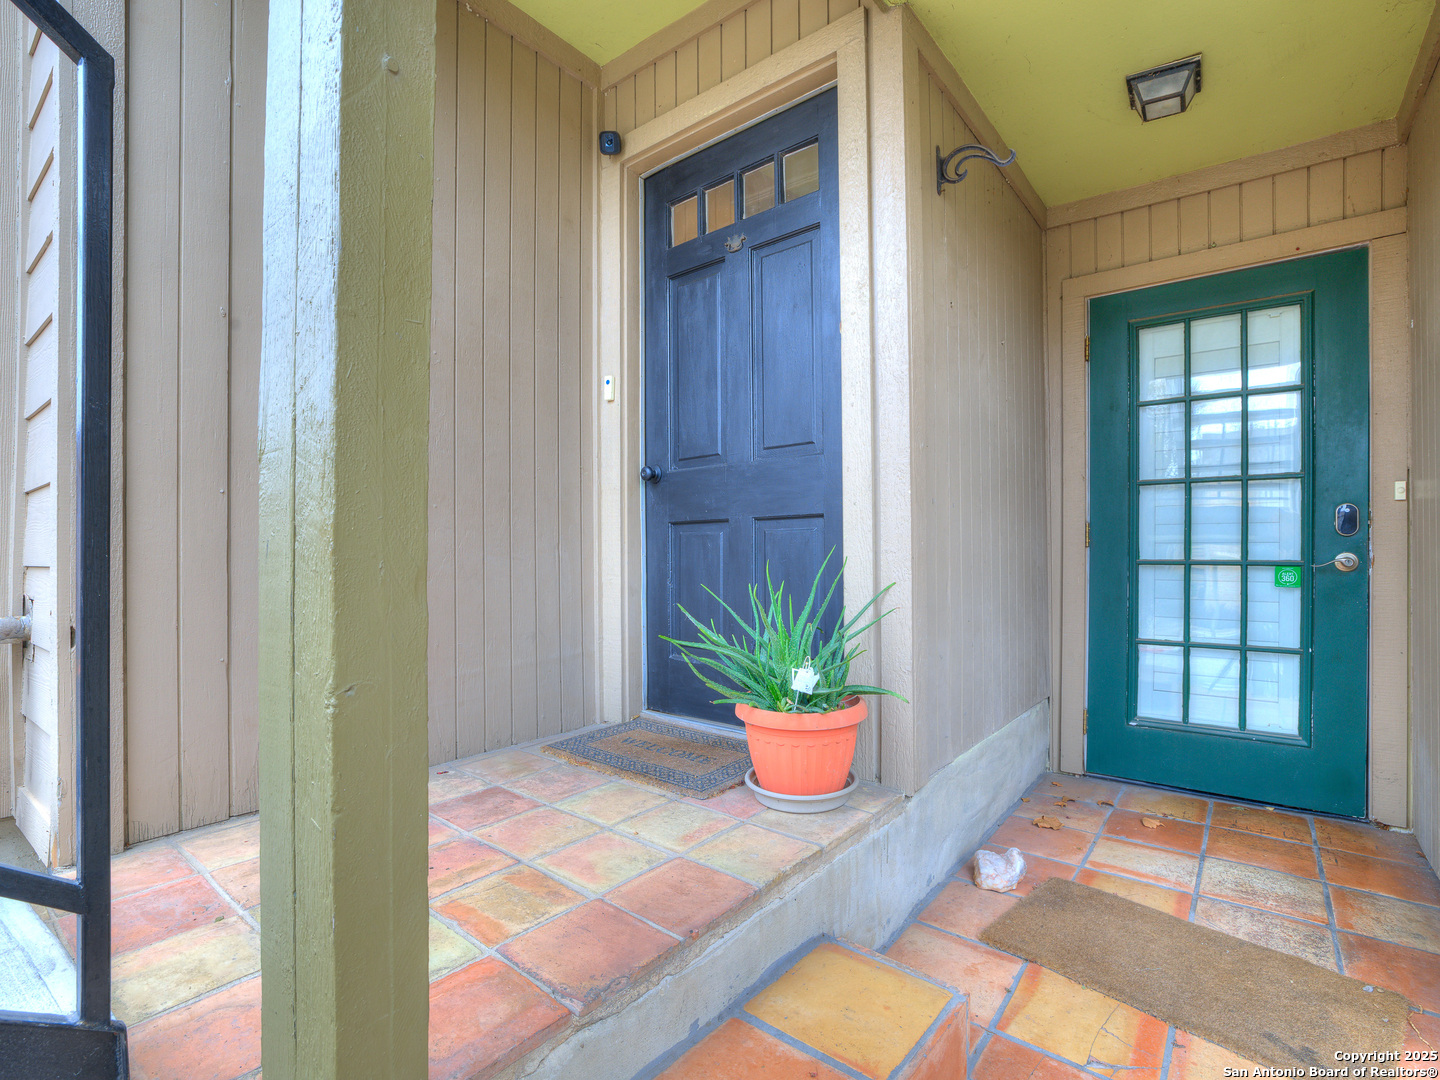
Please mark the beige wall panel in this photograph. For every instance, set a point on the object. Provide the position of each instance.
(1393, 177)
(732, 46)
(784, 23)
(1257, 208)
(665, 83)
(1194, 223)
(508, 381)
(1109, 241)
(1327, 191)
(1424, 500)
(645, 95)
(1292, 200)
(1165, 229)
(1082, 247)
(1362, 183)
(757, 32)
(1225, 215)
(1135, 229)
(708, 64)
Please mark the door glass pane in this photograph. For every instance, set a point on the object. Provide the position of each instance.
(1162, 521)
(1215, 354)
(684, 221)
(1272, 616)
(1162, 442)
(760, 189)
(801, 170)
(1215, 687)
(1274, 519)
(1161, 608)
(1162, 361)
(720, 206)
(1215, 521)
(1275, 433)
(1272, 693)
(1215, 604)
(1161, 671)
(1215, 437)
(1272, 347)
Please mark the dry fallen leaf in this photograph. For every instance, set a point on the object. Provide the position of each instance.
(1025, 800)
(1151, 823)
(1045, 821)
(1054, 783)
(1106, 802)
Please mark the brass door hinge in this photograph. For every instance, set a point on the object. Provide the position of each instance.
(1087, 534)
(1087, 348)
(1085, 722)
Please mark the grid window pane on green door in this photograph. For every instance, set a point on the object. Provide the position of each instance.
(1220, 400)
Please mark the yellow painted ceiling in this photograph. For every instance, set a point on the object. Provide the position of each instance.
(1050, 74)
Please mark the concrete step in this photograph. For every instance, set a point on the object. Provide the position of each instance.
(832, 1011)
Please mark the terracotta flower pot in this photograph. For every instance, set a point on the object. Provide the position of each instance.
(802, 753)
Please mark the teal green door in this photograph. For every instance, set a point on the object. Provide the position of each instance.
(1229, 489)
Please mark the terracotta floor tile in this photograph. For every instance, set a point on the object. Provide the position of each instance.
(215, 1038)
(482, 808)
(678, 825)
(485, 1016)
(146, 867)
(537, 832)
(737, 1051)
(169, 972)
(1087, 788)
(595, 949)
(1269, 930)
(1407, 882)
(682, 896)
(144, 918)
(872, 797)
(1173, 869)
(1163, 804)
(224, 846)
(507, 903)
(440, 832)
(1262, 820)
(1085, 816)
(1362, 838)
(451, 783)
(851, 1007)
(1194, 1058)
(1422, 1034)
(503, 765)
(1037, 869)
(600, 862)
(1405, 923)
(964, 909)
(1085, 1027)
(1255, 886)
(1007, 1060)
(1266, 851)
(1062, 845)
(241, 881)
(612, 802)
(978, 970)
(448, 950)
(1393, 967)
(459, 862)
(757, 855)
(1169, 833)
(559, 782)
(823, 829)
(1154, 896)
(944, 1053)
(737, 801)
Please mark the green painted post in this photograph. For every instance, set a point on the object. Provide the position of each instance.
(343, 471)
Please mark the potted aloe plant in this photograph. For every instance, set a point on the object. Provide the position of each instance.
(790, 684)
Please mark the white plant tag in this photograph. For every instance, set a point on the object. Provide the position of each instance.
(804, 680)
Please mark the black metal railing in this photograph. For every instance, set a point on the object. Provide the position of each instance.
(90, 1043)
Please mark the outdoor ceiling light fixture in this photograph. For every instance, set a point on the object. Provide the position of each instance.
(1165, 90)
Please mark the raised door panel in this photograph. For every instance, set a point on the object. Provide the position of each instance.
(786, 291)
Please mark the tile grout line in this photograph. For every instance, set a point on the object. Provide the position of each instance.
(1200, 865)
(1169, 1050)
(1329, 903)
(993, 1026)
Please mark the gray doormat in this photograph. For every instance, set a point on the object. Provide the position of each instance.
(1267, 1006)
(668, 756)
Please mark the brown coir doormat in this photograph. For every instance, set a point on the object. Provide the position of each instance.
(1271, 1008)
(667, 756)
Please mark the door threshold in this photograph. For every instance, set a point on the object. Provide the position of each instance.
(710, 727)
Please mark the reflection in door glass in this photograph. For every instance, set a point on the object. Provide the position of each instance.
(684, 221)
(1215, 521)
(1275, 433)
(1274, 509)
(1273, 347)
(1162, 603)
(1162, 521)
(1162, 361)
(1215, 687)
(1215, 437)
(1162, 442)
(1161, 671)
(1272, 693)
(760, 189)
(720, 206)
(1215, 604)
(1272, 615)
(1215, 354)
(801, 169)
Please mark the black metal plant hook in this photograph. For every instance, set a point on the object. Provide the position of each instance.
(947, 166)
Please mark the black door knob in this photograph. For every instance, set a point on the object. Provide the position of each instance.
(650, 474)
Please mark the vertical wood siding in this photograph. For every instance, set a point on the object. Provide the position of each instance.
(1329, 191)
(510, 516)
(981, 622)
(715, 54)
(1424, 493)
(195, 112)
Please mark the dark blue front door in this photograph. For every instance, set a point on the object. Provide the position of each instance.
(742, 381)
